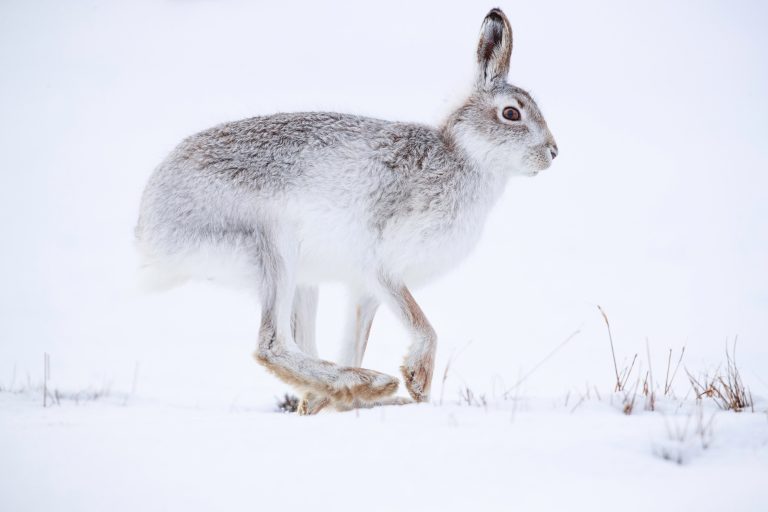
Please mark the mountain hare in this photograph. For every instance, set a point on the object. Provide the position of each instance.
(281, 203)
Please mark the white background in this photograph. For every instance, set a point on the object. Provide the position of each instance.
(656, 208)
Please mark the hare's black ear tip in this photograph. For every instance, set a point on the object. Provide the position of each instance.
(496, 14)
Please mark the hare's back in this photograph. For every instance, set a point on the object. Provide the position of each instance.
(225, 179)
(270, 153)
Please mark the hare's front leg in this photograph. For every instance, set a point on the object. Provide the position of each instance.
(303, 327)
(419, 363)
(363, 309)
(361, 312)
(303, 318)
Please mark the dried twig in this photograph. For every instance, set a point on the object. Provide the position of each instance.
(667, 381)
(613, 352)
(454, 355)
(540, 363)
(650, 394)
(625, 375)
(46, 376)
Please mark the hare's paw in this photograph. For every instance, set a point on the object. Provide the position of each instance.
(418, 378)
(361, 384)
(312, 404)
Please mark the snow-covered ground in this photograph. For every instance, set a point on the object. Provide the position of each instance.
(516, 455)
(656, 209)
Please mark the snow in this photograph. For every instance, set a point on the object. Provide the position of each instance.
(656, 209)
(533, 455)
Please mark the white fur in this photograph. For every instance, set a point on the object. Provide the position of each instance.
(283, 203)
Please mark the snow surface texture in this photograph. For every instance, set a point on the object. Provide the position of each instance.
(656, 209)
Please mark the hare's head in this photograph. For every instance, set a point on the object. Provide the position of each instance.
(500, 126)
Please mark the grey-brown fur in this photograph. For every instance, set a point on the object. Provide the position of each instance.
(281, 203)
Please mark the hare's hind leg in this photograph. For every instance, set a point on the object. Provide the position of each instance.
(278, 351)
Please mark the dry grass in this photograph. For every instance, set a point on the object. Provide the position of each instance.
(289, 403)
(46, 376)
(648, 389)
(667, 380)
(628, 402)
(53, 395)
(85, 395)
(454, 355)
(469, 397)
(623, 376)
(648, 392)
(725, 387)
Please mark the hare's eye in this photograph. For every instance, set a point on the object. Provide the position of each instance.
(511, 113)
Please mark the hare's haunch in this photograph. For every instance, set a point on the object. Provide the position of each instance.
(281, 203)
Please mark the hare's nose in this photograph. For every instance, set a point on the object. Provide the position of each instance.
(553, 151)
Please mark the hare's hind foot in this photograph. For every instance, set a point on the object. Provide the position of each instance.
(311, 404)
(392, 400)
(325, 379)
(360, 384)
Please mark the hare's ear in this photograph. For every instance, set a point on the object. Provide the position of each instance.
(494, 49)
